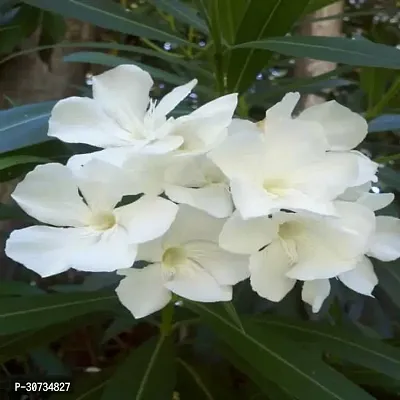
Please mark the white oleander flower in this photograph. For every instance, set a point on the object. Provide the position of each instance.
(384, 245)
(342, 128)
(122, 119)
(90, 232)
(287, 168)
(195, 181)
(299, 246)
(186, 261)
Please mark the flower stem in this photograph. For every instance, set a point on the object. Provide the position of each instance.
(167, 315)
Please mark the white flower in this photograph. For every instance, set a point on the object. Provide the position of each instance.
(195, 181)
(121, 118)
(287, 168)
(186, 261)
(298, 246)
(361, 195)
(343, 129)
(89, 232)
(384, 245)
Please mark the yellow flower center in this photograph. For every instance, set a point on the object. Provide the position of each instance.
(173, 257)
(288, 232)
(275, 186)
(102, 221)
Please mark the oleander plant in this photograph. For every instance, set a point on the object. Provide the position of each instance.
(186, 226)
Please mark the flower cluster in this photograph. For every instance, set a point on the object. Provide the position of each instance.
(218, 199)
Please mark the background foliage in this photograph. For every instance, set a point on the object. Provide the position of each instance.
(251, 348)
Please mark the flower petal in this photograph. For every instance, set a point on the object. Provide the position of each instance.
(227, 268)
(147, 218)
(164, 145)
(213, 199)
(268, 268)
(343, 128)
(173, 98)
(81, 120)
(315, 292)
(247, 236)
(361, 279)
(367, 169)
(43, 249)
(385, 243)
(192, 224)
(375, 201)
(195, 283)
(142, 291)
(123, 93)
(284, 108)
(252, 200)
(50, 194)
(239, 126)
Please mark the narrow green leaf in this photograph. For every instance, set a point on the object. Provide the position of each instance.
(389, 177)
(109, 15)
(389, 278)
(279, 359)
(15, 288)
(360, 52)
(110, 60)
(12, 161)
(387, 122)
(261, 20)
(148, 373)
(25, 125)
(182, 12)
(34, 312)
(370, 353)
(315, 5)
(119, 325)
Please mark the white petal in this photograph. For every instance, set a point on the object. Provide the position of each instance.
(151, 251)
(375, 201)
(367, 169)
(163, 146)
(361, 279)
(82, 120)
(315, 292)
(240, 155)
(193, 224)
(173, 98)
(103, 251)
(247, 236)
(239, 126)
(213, 199)
(385, 243)
(355, 192)
(147, 218)
(343, 128)
(43, 249)
(327, 246)
(251, 199)
(186, 171)
(50, 194)
(284, 108)
(142, 291)
(268, 268)
(101, 184)
(194, 283)
(206, 127)
(327, 179)
(123, 92)
(225, 267)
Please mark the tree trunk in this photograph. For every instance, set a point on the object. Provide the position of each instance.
(306, 67)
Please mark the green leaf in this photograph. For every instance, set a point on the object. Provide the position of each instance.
(374, 82)
(315, 5)
(33, 312)
(18, 344)
(369, 353)
(182, 12)
(25, 125)
(119, 325)
(110, 60)
(11, 161)
(389, 278)
(261, 20)
(389, 177)
(279, 359)
(360, 52)
(148, 373)
(387, 122)
(15, 288)
(47, 361)
(109, 15)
